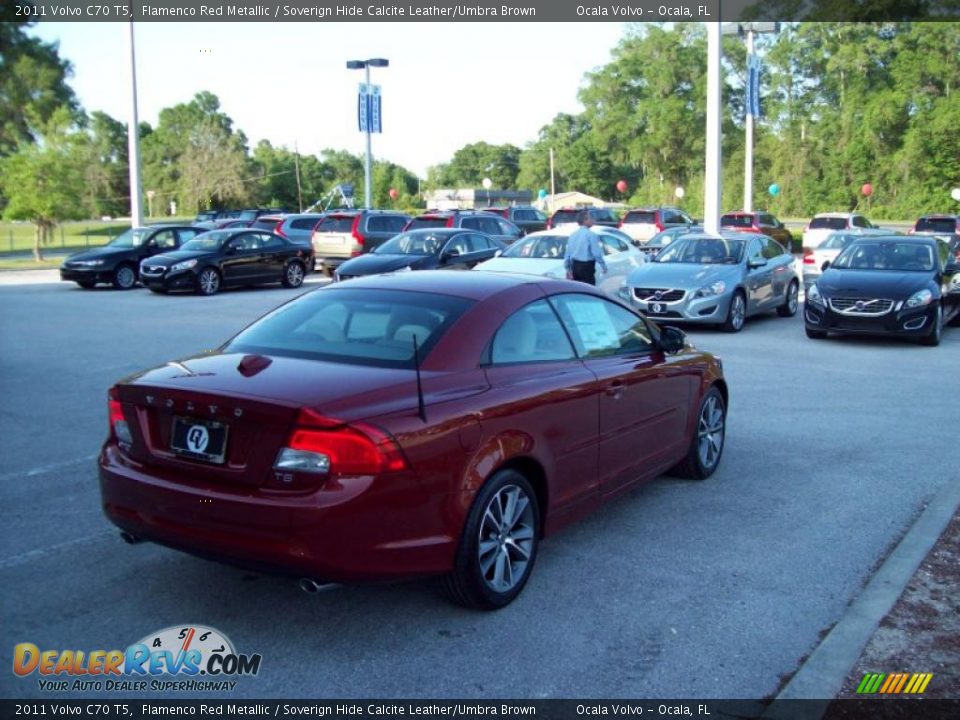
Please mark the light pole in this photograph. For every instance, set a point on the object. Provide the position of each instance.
(366, 65)
(133, 141)
(713, 191)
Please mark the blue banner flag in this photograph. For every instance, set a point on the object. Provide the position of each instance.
(363, 108)
(374, 102)
(752, 104)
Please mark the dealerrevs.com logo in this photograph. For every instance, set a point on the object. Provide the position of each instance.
(181, 657)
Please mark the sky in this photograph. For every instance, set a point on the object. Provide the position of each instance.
(448, 84)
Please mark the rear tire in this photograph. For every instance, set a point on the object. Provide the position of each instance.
(499, 544)
(293, 275)
(709, 435)
(737, 313)
(791, 301)
(816, 334)
(208, 281)
(124, 277)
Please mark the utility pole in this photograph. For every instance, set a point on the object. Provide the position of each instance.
(133, 141)
(296, 165)
(712, 192)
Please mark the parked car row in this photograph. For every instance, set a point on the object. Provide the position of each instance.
(172, 257)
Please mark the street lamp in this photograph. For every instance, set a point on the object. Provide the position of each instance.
(366, 65)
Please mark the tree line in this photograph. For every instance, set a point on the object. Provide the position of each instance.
(843, 104)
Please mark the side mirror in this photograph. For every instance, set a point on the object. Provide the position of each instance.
(755, 263)
(826, 264)
(498, 253)
(672, 340)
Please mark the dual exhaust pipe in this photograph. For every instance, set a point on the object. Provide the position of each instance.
(308, 585)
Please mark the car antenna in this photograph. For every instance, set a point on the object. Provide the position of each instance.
(421, 409)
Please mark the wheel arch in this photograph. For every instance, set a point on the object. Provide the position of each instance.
(535, 474)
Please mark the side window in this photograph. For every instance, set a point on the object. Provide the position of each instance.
(540, 216)
(532, 334)
(375, 223)
(600, 328)
(165, 239)
(478, 243)
(684, 218)
(395, 223)
(187, 234)
(458, 245)
(754, 251)
(504, 228)
(771, 249)
(270, 241)
(473, 223)
(669, 217)
(611, 244)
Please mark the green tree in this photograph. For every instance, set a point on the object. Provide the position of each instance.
(106, 172)
(43, 180)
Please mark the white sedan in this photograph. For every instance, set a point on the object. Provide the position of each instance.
(541, 253)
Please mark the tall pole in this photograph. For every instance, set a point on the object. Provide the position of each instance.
(296, 165)
(133, 142)
(366, 166)
(748, 160)
(553, 189)
(712, 186)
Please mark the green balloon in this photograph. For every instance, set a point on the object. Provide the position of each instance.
(541, 193)
(774, 190)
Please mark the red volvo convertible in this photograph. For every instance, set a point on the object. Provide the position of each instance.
(408, 425)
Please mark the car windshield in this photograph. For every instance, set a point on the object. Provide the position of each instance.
(134, 237)
(206, 241)
(538, 246)
(709, 251)
(828, 223)
(413, 243)
(938, 225)
(354, 327)
(736, 221)
(886, 255)
(561, 217)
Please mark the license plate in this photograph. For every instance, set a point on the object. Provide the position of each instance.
(199, 439)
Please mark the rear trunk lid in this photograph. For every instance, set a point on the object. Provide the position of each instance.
(333, 237)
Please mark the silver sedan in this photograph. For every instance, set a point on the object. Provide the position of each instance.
(718, 280)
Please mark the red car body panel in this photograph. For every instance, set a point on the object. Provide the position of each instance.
(581, 430)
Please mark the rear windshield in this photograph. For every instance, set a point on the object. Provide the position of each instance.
(427, 222)
(939, 225)
(837, 242)
(262, 224)
(640, 216)
(828, 223)
(335, 224)
(565, 216)
(736, 221)
(354, 327)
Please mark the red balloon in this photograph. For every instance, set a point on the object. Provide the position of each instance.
(867, 189)
(393, 193)
(622, 186)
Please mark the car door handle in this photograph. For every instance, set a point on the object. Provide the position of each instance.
(615, 389)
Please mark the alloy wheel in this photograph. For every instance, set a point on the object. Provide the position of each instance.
(294, 275)
(506, 541)
(209, 281)
(710, 432)
(126, 278)
(737, 312)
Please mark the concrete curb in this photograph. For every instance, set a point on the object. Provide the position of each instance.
(821, 676)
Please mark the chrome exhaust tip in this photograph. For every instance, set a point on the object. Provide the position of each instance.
(312, 587)
(130, 539)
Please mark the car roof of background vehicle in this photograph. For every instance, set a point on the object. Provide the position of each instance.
(475, 285)
(836, 215)
(938, 216)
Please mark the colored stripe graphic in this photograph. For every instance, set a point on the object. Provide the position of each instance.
(894, 684)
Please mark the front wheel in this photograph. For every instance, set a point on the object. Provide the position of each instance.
(790, 301)
(737, 313)
(706, 445)
(499, 544)
(293, 275)
(936, 331)
(124, 277)
(208, 281)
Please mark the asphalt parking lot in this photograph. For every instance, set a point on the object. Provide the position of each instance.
(678, 589)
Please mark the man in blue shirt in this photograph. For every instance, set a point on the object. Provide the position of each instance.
(583, 253)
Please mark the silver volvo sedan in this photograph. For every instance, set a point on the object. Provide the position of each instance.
(712, 279)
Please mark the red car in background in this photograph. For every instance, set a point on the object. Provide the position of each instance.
(758, 222)
(409, 424)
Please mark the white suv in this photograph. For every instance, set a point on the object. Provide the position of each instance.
(823, 224)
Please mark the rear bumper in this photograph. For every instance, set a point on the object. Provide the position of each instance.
(349, 529)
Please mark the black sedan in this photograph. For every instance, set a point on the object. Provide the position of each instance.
(429, 249)
(117, 262)
(905, 286)
(228, 258)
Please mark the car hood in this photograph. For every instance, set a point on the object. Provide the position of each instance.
(682, 276)
(171, 258)
(101, 253)
(872, 283)
(552, 267)
(374, 263)
(347, 392)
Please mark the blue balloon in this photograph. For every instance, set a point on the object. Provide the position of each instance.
(774, 190)
(541, 193)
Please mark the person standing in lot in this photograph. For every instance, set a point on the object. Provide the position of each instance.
(584, 253)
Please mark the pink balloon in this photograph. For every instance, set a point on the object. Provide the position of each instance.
(622, 186)
(393, 193)
(867, 189)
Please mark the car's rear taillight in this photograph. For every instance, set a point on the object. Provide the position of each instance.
(808, 257)
(357, 235)
(279, 229)
(449, 222)
(320, 445)
(911, 231)
(119, 428)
